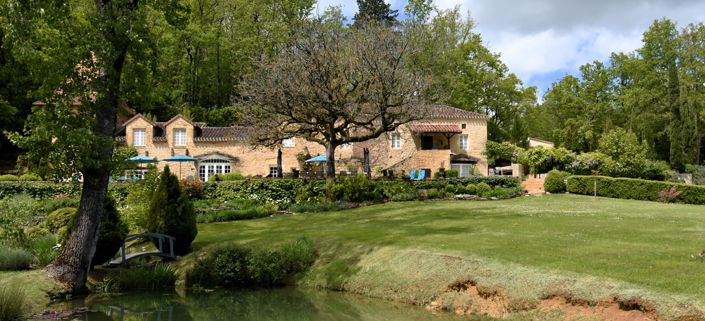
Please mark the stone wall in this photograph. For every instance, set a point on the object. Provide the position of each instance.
(250, 160)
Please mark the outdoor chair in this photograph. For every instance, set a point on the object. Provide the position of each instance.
(421, 176)
(412, 174)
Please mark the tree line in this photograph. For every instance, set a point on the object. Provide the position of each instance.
(656, 92)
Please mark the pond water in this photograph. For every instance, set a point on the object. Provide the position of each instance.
(262, 305)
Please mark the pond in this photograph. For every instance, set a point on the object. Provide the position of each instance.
(271, 305)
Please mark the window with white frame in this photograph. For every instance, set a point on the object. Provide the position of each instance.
(179, 136)
(464, 170)
(212, 167)
(273, 171)
(396, 141)
(138, 136)
(463, 142)
(289, 142)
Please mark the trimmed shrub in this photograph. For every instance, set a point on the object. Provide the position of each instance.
(555, 181)
(39, 190)
(234, 265)
(483, 190)
(452, 173)
(9, 178)
(631, 188)
(281, 192)
(235, 215)
(171, 213)
(226, 177)
(111, 235)
(312, 207)
(471, 189)
(14, 259)
(30, 177)
(461, 190)
(405, 196)
(392, 189)
(12, 302)
(356, 189)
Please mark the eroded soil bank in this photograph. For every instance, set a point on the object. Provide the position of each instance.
(477, 286)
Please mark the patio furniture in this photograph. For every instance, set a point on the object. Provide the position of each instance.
(421, 176)
(412, 174)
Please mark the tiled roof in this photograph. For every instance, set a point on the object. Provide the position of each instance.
(434, 128)
(222, 134)
(447, 112)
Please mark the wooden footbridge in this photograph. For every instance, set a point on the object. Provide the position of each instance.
(161, 239)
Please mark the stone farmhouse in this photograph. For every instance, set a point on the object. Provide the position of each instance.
(447, 138)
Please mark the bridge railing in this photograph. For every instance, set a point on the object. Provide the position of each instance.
(160, 241)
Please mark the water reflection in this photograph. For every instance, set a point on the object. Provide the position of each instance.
(260, 305)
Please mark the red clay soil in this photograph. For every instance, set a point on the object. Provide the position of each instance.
(466, 297)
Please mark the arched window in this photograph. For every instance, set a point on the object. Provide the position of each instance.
(212, 164)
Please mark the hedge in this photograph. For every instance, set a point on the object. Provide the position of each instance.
(631, 188)
(39, 190)
(284, 191)
(48, 190)
(555, 181)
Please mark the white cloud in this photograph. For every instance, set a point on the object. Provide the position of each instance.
(554, 37)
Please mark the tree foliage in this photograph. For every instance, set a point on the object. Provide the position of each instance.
(374, 11)
(172, 213)
(656, 93)
(465, 73)
(335, 86)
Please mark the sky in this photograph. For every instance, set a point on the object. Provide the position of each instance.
(543, 40)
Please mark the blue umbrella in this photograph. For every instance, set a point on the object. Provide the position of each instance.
(180, 159)
(317, 159)
(142, 159)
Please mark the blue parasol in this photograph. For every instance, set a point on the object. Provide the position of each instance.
(180, 159)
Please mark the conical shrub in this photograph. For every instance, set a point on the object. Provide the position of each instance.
(171, 213)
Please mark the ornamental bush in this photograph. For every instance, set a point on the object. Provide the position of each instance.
(555, 181)
(9, 178)
(171, 213)
(235, 176)
(356, 189)
(483, 189)
(235, 265)
(30, 177)
(631, 188)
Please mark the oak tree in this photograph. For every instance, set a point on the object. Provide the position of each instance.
(335, 86)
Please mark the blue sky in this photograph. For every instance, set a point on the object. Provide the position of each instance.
(543, 40)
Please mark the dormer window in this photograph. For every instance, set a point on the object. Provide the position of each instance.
(179, 136)
(138, 137)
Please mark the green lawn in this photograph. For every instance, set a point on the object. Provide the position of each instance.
(646, 244)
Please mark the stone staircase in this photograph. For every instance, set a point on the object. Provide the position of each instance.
(533, 185)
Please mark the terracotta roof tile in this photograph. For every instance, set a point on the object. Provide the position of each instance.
(222, 134)
(434, 128)
(447, 112)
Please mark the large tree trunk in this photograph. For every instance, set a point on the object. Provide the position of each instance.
(330, 161)
(73, 263)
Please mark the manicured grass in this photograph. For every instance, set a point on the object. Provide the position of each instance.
(646, 244)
